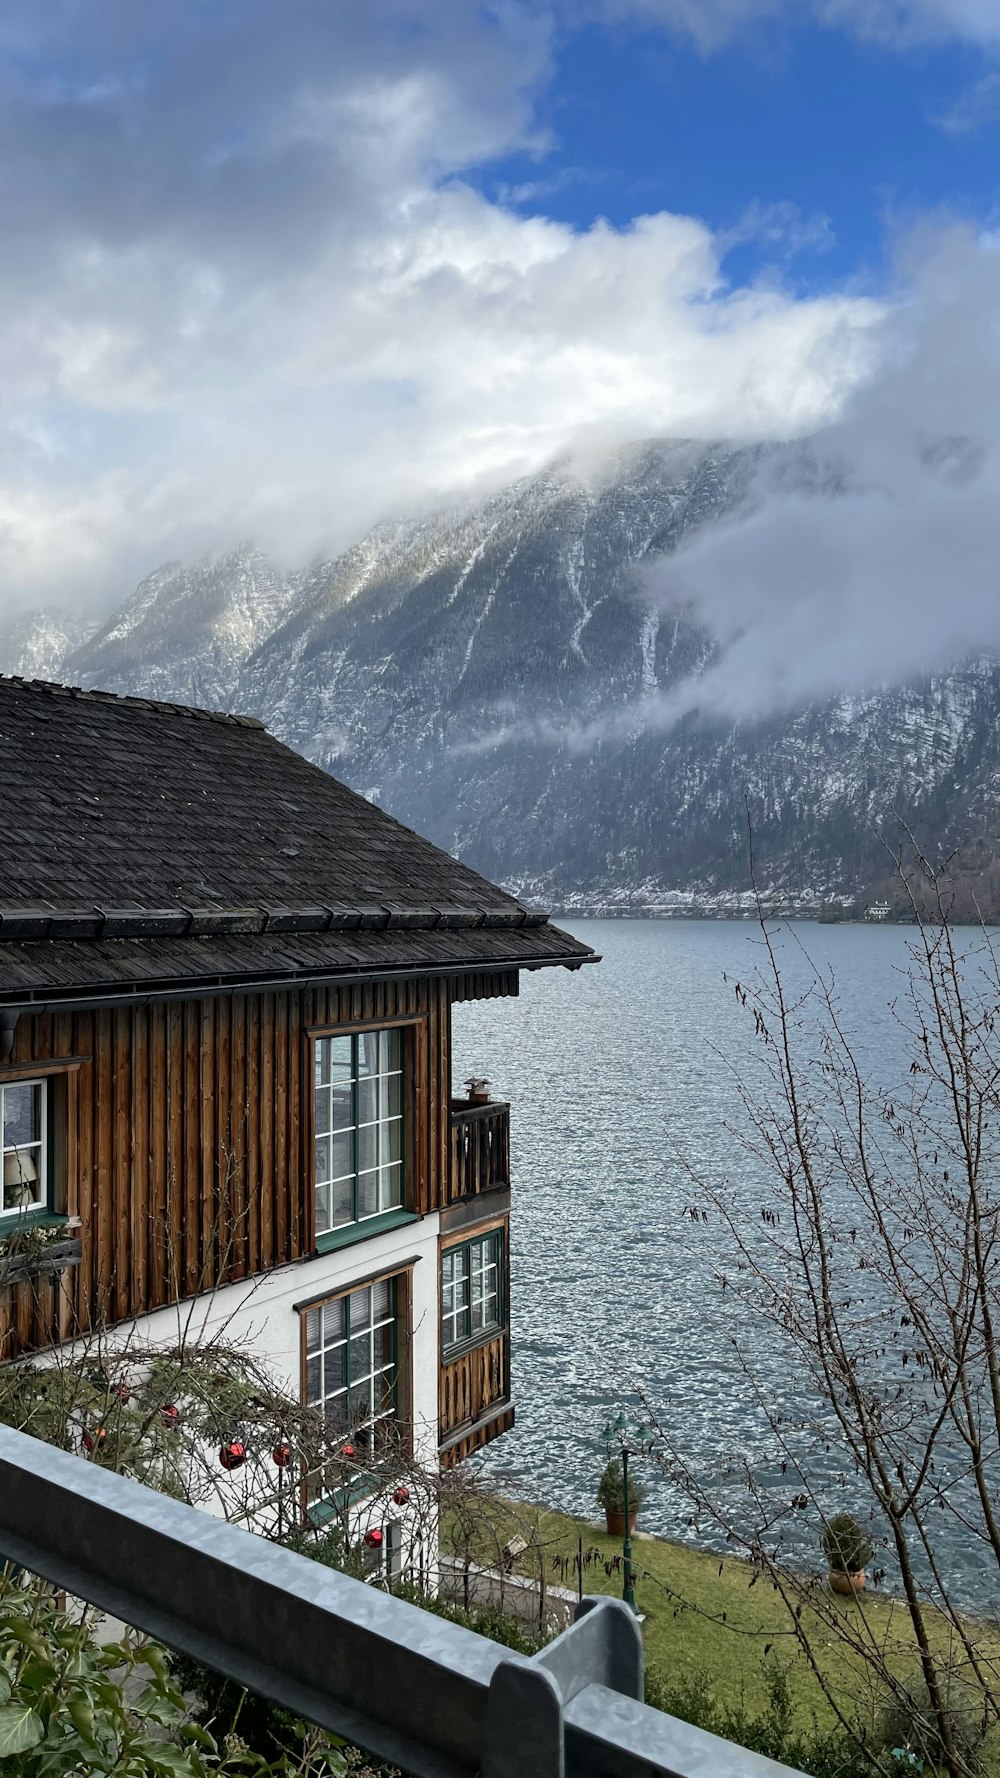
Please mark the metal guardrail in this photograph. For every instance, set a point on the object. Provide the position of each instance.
(412, 1688)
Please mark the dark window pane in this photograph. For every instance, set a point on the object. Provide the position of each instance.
(367, 1195)
(361, 1357)
(324, 1157)
(313, 1379)
(343, 1202)
(343, 1155)
(343, 1106)
(22, 1120)
(368, 1100)
(340, 1058)
(322, 1208)
(367, 1148)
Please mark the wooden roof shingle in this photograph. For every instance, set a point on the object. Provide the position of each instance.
(153, 844)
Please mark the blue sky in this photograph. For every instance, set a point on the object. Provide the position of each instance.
(273, 268)
(850, 140)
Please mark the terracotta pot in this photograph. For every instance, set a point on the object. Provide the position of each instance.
(847, 1584)
(616, 1521)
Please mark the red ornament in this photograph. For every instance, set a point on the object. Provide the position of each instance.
(373, 1538)
(401, 1495)
(282, 1456)
(347, 1451)
(170, 1414)
(123, 1393)
(232, 1455)
(98, 1437)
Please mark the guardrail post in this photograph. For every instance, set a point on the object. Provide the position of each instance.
(525, 1728)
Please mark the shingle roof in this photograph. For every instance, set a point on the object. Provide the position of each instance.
(152, 843)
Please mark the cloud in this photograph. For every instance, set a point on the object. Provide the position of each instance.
(899, 23)
(872, 557)
(975, 108)
(248, 286)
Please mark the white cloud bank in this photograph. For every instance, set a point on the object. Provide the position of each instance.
(246, 290)
(895, 570)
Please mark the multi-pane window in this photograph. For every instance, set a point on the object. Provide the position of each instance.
(22, 1111)
(351, 1367)
(359, 1127)
(470, 1290)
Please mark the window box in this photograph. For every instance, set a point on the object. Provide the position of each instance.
(38, 1249)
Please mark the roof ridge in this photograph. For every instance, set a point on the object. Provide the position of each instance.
(132, 702)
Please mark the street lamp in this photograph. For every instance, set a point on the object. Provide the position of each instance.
(617, 1432)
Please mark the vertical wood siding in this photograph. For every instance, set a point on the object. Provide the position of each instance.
(187, 1156)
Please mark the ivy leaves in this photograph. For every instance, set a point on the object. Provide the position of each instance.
(69, 1704)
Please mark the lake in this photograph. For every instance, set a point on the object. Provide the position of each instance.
(620, 1080)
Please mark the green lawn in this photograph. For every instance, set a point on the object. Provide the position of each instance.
(704, 1619)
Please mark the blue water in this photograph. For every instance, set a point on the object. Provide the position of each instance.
(622, 1079)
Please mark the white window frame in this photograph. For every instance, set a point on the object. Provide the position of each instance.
(460, 1302)
(316, 1353)
(388, 1175)
(8, 1216)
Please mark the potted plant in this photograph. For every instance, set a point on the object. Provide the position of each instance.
(478, 1088)
(611, 1495)
(847, 1549)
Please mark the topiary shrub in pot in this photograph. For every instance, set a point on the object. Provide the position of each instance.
(848, 1550)
(611, 1495)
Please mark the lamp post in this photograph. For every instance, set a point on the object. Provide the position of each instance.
(616, 1432)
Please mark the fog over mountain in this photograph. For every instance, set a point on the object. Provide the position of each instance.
(537, 681)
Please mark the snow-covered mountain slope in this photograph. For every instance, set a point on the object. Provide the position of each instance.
(186, 632)
(489, 672)
(36, 645)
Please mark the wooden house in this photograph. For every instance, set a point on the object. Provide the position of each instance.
(226, 985)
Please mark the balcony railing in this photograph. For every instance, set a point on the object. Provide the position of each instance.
(480, 1148)
(433, 1698)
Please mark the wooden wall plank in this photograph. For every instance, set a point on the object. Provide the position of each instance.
(189, 1146)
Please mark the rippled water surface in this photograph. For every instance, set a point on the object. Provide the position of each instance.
(619, 1076)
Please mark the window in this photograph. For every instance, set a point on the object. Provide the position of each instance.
(23, 1110)
(351, 1367)
(471, 1290)
(359, 1128)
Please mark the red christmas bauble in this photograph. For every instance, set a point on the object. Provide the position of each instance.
(401, 1495)
(373, 1538)
(170, 1414)
(282, 1456)
(347, 1451)
(92, 1438)
(232, 1455)
(123, 1393)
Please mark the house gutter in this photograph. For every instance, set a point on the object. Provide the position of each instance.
(49, 1000)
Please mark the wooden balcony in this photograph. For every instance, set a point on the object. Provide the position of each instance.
(480, 1149)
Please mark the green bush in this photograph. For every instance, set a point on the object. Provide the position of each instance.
(846, 1546)
(611, 1489)
(771, 1732)
(908, 1720)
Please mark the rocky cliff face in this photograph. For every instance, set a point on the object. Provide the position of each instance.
(489, 673)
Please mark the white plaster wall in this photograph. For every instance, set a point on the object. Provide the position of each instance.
(258, 1314)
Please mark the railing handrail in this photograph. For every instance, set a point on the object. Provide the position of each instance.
(462, 1112)
(433, 1698)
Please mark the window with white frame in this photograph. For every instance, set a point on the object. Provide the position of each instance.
(351, 1367)
(358, 1127)
(23, 1114)
(471, 1297)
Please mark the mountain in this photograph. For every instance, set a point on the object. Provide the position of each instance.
(186, 632)
(36, 645)
(488, 673)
